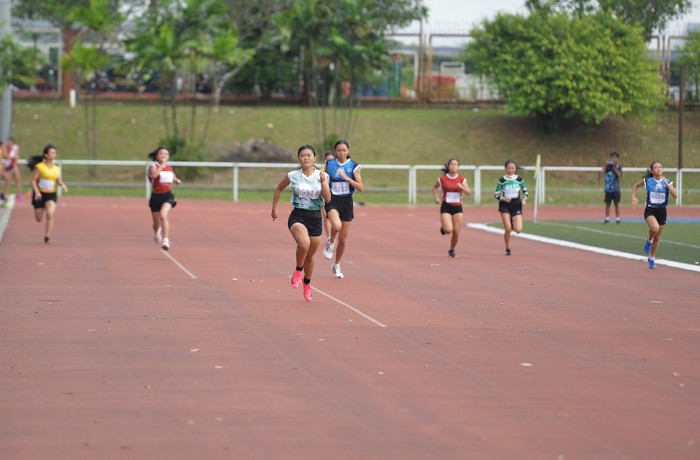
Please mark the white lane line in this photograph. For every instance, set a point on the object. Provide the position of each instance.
(182, 267)
(350, 307)
(583, 247)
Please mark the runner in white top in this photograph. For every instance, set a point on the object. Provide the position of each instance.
(309, 191)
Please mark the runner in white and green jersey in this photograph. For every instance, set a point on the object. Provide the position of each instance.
(509, 190)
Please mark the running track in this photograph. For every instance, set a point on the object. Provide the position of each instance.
(113, 349)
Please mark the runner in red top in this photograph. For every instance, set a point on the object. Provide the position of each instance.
(450, 201)
(162, 178)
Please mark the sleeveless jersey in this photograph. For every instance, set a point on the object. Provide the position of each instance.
(339, 186)
(164, 182)
(11, 159)
(451, 189)
(48, 177)
(306, 191)
(657, 192)
(510, 187)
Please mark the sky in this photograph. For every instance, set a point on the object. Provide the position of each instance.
(456, 16)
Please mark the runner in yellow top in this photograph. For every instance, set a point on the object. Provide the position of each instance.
(46, 176)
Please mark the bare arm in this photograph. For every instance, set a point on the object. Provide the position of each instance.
(356, 182)
(671, 188)
(436, 186)
(325, 188)
(465, 187)
(35, 183)
(634, 191)
(284, 183)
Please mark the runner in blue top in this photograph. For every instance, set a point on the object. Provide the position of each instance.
(658, 188)
(345, 180)
(309, 191)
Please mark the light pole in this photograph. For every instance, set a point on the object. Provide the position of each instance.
(6, 105)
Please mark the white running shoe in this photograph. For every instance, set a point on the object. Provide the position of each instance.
(336, 271)
(158, 237)
(328, 249)
(166, 244)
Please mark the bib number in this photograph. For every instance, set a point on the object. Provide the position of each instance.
(166, 177)
(657, 198)
(46, 184)
(340, 188)
(453, 197)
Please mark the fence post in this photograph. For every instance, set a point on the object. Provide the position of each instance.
(235, 183)
(477, 185)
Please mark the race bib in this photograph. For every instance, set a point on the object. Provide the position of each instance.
(46, 184)
(308, 192)
(657, 198)
(453, 197)
(166, 177)
(340, 188)
(511, 192)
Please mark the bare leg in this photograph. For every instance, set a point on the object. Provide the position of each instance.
(446, 223)
(164, 222)
(505, 217)
(654, 232)
(456, 229)
(335, 223)
(50, 207)
(301, 237)
(342, 241)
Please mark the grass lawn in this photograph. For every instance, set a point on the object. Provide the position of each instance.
(679, 241)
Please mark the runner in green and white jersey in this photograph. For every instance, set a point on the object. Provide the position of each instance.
(509, 190)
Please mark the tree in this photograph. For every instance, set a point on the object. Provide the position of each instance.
(59, 13)
(341, 41)
(651, 15)
(690, 61)
(17, 64)
(566, 70)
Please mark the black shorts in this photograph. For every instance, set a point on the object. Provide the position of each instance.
(344, 205)
(612, 197)
(158, 199)
(46, 196)
(659, 213)
(310, 219)
(514, 208)
(446, 208)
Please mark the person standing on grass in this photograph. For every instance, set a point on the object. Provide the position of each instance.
(613, 171)
(309, 191)
(511, 193)
(11, 168)
(46, 176)
(658, 188)
(450, 201)
(326, 222)
(162, 178)
(345, 179)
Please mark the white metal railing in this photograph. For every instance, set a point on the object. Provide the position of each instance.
(540, 175)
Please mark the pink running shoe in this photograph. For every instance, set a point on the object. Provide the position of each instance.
(307, 292)
(297, 278)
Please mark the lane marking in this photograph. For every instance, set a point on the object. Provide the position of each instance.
(180, 266)
(603, 232)
(583, 247)
(350, 307)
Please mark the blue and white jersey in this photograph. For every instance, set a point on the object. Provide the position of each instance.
(657, 192)
(306, 190)
(339, 186)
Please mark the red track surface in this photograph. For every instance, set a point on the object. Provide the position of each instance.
(111, 348)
